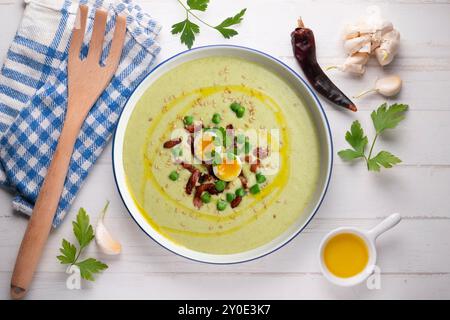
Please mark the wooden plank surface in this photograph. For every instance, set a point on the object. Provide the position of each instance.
(414, 258)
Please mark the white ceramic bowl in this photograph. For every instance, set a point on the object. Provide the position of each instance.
(311, 102)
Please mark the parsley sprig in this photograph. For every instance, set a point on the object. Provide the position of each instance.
(189, 29)
(383, 118)
(70, 254)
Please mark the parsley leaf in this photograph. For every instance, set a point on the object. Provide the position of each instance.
(178, 27)
(383, 118)
(188, 29)
(89, 267)
(188, 35)
(388, 118)
(199, 5)
(228, 22)
(356, 138)
(69, 253)
(383, 158)
(82, 229)
(349, 154)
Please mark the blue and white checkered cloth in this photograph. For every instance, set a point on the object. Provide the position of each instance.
(33, 95)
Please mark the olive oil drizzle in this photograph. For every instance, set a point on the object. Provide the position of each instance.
(270, 193)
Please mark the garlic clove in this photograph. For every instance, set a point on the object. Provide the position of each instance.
(386, 27)
(366, 48)
(354, 64)
(375, 40)
(389, 86)
(358, 58)
(388, 48)
(357, 69)
(351, 31)
(383, 56)
(105, 241)
(353, 45)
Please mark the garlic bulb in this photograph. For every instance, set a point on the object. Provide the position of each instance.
(388, 86)
(370, 34)
(105, 241)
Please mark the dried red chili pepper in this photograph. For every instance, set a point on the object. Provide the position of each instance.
(193, 179)
(209, 167)
(244, 180)
(236, 202)
(304, 47)
(205, 177)
(188, 167)
(198, 202)
(254, 166)
(190, 128)
(171, 143)
(210, 187)
(191, 143)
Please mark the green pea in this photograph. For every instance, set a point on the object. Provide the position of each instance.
(188, 120)
(240, 192)
(260, 178)
(174, 176)
(216, 118)
(240, 112)
(221, 205)
(235, 106)
(230, 197)
(255, 189)
(206, 197)
(220, 185)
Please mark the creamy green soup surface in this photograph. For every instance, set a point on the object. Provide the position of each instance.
(202, 88)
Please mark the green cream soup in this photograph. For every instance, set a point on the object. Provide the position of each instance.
(200, 89)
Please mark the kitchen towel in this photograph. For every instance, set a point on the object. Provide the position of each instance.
(33, 94)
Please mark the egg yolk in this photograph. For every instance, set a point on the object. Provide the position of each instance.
(228, 170)
(205, 144)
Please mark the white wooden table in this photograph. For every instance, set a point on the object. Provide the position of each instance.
(414, 257)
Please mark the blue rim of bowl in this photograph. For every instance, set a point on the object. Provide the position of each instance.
(312, 93)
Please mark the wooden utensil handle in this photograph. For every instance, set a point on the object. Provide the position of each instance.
(44, 210)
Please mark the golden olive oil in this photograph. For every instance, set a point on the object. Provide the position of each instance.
(346, 255)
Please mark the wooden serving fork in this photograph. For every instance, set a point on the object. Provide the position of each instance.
(87, 79)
